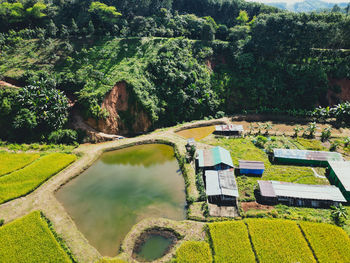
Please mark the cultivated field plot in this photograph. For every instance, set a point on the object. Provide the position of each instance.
(194, 252)
(330, 243)
(279, 241)
(29, 239)
(231, 242)
(22, 182)
(197, 133)
(10, 162)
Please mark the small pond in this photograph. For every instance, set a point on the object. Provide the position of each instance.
(153, 244)
(122, 188)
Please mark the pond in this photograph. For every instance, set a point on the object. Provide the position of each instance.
(122, 188)
(153, 244)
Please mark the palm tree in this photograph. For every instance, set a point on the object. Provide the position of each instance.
(311, 128)
(339, 215)
(297, 129)
(268, 126)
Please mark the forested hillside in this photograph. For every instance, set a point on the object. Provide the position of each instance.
(130, 66)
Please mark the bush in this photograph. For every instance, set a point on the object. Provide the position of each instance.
(63, 137)
(326, 133)
(260, 141)
(194, 252)
(2, 222)
(200, 187)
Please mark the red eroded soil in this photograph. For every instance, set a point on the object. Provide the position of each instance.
(7, 85)
(115, 103)
(344, 95)
(254, 205)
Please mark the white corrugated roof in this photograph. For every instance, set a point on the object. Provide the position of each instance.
(221, 182)
(230, 127)
(342, 170)
(212, 183)
(306, 191)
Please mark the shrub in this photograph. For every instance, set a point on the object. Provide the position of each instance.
(194, 252)
(2, 222)
(260, 141)
(326, 133)
(230, 242)
(63, 136)
(200, 187)
(329, 243)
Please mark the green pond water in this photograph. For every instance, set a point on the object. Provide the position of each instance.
(154, 247)
(122, 188)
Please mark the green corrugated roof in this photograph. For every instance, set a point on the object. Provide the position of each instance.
(214, 156)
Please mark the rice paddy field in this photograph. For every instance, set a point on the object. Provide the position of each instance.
(197, 133)
(29, 239)
(194, 252)
(10, 162)
(27, 179)
(275, 240)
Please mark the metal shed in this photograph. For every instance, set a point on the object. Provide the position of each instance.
(339, 175)
(305, 157)
(229, 130)
(216, 158)
(251, 167)
(274, 192)
(221, 186)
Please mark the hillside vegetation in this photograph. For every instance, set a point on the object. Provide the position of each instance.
(181, 60)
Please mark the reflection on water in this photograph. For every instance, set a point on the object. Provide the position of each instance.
(122, 188)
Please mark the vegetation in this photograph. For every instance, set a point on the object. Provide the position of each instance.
(194, 252)
(230, 242)
(24, 181)
(29, 239)
(278, 241)
(339, 215)
(329, 243)
(10, 162)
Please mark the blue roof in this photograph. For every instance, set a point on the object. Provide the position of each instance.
(214, 156)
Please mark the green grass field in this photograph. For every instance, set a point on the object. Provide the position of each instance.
(230, 242)
(194, 252)
(330, 243)
(22, 182)
(29, 239)
(10, 162)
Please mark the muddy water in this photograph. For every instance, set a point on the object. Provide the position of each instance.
(122, 188)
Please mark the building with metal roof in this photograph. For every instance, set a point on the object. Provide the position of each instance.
(339, 175)
(229, 130)
(305, 157)
(221, 186)
(274, 192)
(216, 158)
(251, 167)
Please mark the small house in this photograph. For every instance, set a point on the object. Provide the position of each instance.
(251, 167)
(221, 186)
(339, 175)
(216, 158)
(305, 157)
(275, 192)
(229, 130)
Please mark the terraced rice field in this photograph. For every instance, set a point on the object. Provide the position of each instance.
(24, 181)
(29, 239)
(194, 252)
(197, 133)
(276, 240)
(10, 162)
(330, 243)
(231, 242)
